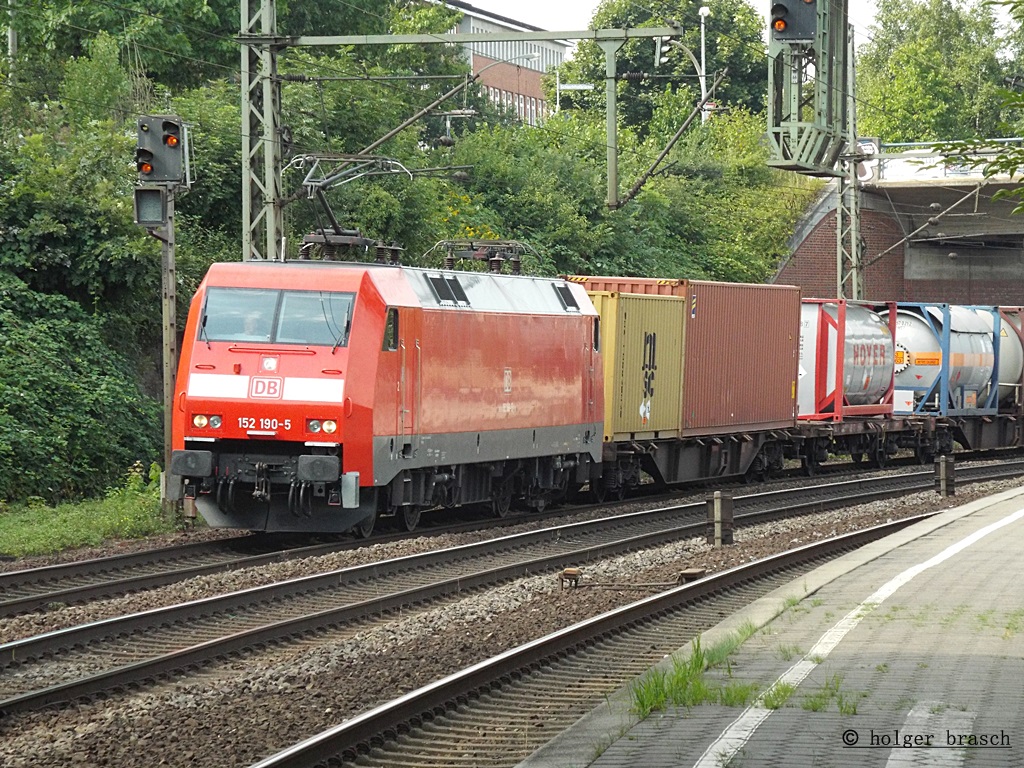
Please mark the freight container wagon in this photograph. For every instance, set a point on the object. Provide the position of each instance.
(726, 352)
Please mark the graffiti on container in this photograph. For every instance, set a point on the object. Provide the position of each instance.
(648, 368)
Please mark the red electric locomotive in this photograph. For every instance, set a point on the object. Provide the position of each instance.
(318, 395)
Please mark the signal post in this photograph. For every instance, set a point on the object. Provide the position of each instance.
(162, 161)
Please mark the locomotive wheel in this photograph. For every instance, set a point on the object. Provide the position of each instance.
(502, 502)
(364, 528)
(410, 517)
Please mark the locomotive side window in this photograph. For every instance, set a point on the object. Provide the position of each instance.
(391, 331)
(279, 317)
(568, 300)
(448, 290)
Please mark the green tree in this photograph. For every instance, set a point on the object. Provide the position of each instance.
(733, 39)
(1009, 158)
(178, 43)
(930, 72)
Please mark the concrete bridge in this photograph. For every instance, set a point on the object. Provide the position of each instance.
(930, 228)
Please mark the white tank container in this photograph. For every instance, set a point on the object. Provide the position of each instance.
(867, 355)
(1011, 354)
(919, 354)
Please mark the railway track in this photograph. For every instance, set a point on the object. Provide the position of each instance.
(69, 583)
(84, 661)
(76, 582)
(487, 715)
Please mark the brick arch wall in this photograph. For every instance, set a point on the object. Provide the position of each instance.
(813, 264)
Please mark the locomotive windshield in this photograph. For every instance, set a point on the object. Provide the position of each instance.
(276, 316)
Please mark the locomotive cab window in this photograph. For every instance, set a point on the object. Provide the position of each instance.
(309, 318)
(391, 331)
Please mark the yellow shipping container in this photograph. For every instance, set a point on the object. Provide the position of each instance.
(642, 346)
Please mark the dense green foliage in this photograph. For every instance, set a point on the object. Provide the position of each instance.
(71, 413)
(931, 71)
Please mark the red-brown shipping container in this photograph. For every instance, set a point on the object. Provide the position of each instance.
(741, 349)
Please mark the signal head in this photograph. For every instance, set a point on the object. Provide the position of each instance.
(794, 20)
(159, 156)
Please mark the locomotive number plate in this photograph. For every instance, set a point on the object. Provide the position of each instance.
(250, 422)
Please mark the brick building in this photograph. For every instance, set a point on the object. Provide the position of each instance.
(510, 72)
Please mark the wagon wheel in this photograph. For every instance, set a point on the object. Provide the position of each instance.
(570, 494)
(879, 456)
(757, 472)
(364, 528)
(809, 459)
(810, 465)
(857, 457)
(502, 501)
(924, 453)
(410, 517)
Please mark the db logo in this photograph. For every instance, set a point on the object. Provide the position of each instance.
(263, 386)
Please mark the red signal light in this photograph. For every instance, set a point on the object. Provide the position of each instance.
(779, 25)
(145, 167)
(171, 140)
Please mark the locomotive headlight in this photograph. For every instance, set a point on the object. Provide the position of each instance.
(215, 422)
(199, 420)
(330, 427)
(313, 425)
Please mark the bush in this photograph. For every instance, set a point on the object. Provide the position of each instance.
(132, 510)
(72, 417)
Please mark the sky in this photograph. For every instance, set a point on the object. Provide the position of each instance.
(558, 15)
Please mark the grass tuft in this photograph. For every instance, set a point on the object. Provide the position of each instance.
(128, 512)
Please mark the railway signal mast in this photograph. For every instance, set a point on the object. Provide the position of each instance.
(811, 115)
(162, 162)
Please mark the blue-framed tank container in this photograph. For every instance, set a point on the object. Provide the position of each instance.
(946, 359)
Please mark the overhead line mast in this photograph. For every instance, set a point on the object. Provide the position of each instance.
(811, 113)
